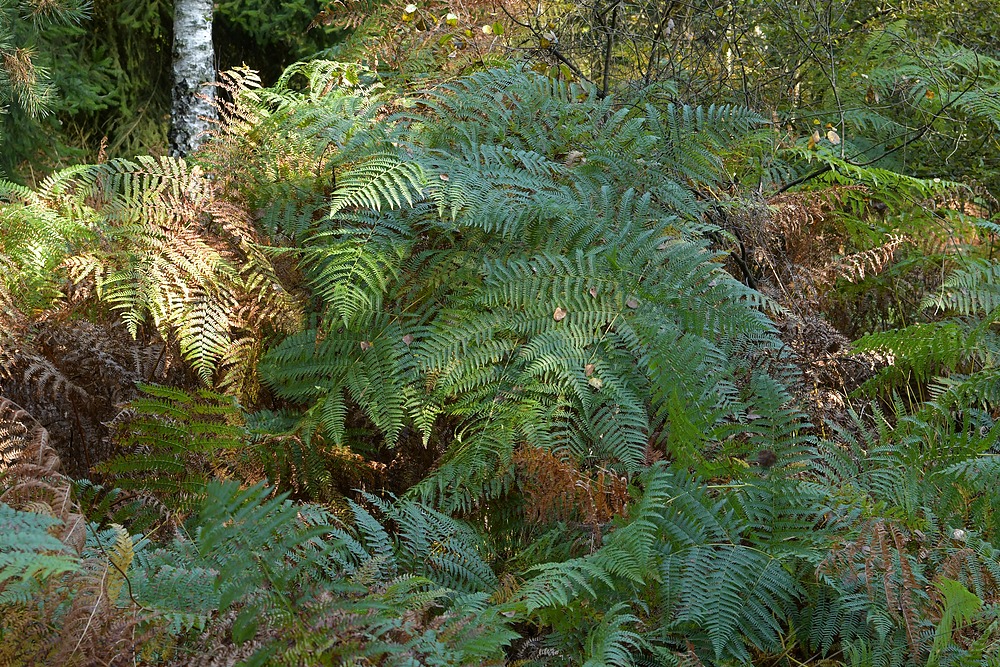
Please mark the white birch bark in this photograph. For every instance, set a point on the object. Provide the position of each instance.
(194, 68)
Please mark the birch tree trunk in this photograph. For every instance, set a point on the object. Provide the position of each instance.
(194, 68)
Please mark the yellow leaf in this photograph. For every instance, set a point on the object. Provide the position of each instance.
(814, 139)
(120, 559)
(833, 137)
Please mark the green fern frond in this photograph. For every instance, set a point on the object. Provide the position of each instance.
(369, 362)
(382, 180)
(174, 440)
(972, 290)
(28, 550)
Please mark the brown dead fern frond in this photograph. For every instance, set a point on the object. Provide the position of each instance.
(30, 479)
(29, 472)
(785, 244)
(856, 267)
(15, 433)
(78, 618)
(74, 375)
(882, 552)
(791, 212)
(557, 491)
(25, 441)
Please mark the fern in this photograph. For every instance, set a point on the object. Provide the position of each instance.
(427, 543)
(959, 351)
(289, 573)
(164, 266)
(528, 311)
(174, 441)
(610, 643)
(510, 281)
(28, 550)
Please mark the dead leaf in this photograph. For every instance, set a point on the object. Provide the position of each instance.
(365, 345)
(593, 292)
(596, 383)
(832, 136)
(407, 339)
(814, 139)
(588, 370)
(632, 303)
(573, 158)
(560, 314)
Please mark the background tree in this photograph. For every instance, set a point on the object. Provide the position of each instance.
(24, 83)
(192, 111)
(111, 71)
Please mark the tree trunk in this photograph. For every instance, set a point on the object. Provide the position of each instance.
(194, 67)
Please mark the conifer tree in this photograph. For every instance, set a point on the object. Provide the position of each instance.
(22, 81)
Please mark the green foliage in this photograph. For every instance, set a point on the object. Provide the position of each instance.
(22, 81)
(960, 607)
(292, 578)
(426, 543)
(200, 288)
(269, 35)
(958, 351)
(505, 297)
(107, 70)
(39, 228)
(174, 442)
(471, 270)
(28, 550)
(104, 75)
